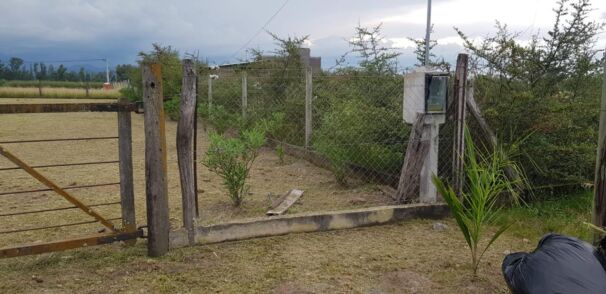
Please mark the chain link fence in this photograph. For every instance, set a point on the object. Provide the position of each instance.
(354, 124)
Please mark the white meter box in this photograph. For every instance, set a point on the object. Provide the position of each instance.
(425, 91)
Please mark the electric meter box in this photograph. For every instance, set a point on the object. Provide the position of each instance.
(425, 91)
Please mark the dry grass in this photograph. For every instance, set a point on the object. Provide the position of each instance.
(268, 176)
(408, 257)
(67, 93)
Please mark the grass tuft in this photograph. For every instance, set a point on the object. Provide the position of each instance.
(564, 215)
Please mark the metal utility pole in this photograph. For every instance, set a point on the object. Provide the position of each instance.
(106, 70)
(427, 33)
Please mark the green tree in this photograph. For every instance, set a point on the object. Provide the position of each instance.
(168, 58)
(420, 53)
(124, 71)
(282, 77)
(358, 110)
(15, 64)
(367, 44)
(61, 73)
(548, 87)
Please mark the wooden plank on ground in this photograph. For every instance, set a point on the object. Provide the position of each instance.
(288, 201)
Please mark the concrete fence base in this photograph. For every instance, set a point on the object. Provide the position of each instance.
(307, 222)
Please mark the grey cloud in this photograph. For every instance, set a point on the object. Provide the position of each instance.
(40, 29)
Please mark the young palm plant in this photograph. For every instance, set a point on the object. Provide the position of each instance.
(479, 204)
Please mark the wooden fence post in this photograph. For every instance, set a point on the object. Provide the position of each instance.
(156, 188)
(308, 108)
(458, 150)
(416, 152)
(196, 143)
(39, 88)
(244, 94)
(125, 153)
(185, 148)
(599, 198)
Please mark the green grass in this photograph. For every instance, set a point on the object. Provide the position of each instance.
(563, 215)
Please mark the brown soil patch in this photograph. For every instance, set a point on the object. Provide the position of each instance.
(405, 281)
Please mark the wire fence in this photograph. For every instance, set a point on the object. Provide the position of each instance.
(354, 119)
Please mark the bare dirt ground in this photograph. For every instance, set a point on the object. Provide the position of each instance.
(268, 176)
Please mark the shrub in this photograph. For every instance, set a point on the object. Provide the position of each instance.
(280, 152)
(220, 118)
(357, 133)
(232, 158)
(171, 108)
(478, 205)
(131, 93)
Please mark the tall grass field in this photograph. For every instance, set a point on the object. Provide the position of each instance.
(50, 84)
(52, 92)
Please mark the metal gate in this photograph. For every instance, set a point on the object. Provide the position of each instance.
(127, 232)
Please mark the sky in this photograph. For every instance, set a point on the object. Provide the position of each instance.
(42, 30)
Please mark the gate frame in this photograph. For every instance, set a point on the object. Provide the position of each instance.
(129, 232)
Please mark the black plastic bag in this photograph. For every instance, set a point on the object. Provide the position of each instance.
(560, 264)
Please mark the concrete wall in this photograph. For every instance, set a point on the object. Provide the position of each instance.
(307, 222)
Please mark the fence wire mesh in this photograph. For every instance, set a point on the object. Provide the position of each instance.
(356, 126)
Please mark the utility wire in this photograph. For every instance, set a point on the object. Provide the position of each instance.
(260, 29)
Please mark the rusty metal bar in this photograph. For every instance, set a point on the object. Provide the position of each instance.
(65, 107)
(56, 209)
(62, 165)
(58, 140)
(55, 226)
(92, 240)
(64, 188)
(56, 188)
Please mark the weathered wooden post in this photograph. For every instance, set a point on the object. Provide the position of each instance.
(125, 153)
(308, 108)
(185, 147)
(244, 94)
(599, 198)
(416, 152)
(458, 143)
(196, 142)
(87, 88)
(156, 188)
(39, 88)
